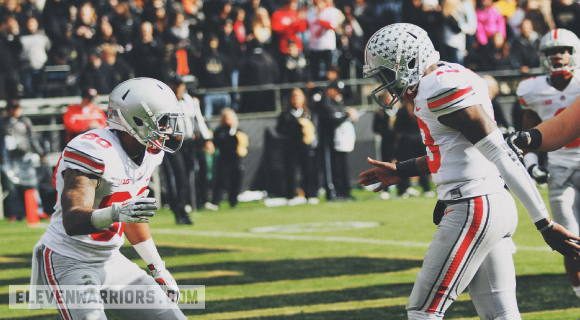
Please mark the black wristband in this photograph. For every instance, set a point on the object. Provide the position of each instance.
(535, 139)
(407, 168)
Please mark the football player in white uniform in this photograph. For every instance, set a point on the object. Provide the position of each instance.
(542, 98)
(101, 179)
(468, 158)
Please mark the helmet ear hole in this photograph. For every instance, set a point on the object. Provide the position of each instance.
(138, 121)
(411, 64)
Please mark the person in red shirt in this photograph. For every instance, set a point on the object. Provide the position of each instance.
(287, 23)
(85, 116)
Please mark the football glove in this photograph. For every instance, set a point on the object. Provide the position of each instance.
(165, 280)
(539, 173)
(133, 210)
(517, 141)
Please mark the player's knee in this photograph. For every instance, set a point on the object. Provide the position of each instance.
(422, 315)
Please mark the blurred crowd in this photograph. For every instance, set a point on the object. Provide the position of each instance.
(57, 47)
(85, 48)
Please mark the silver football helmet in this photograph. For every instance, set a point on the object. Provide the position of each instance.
(398, 56)
(148, 110)
(560, 38)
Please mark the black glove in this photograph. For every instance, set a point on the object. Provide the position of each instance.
(517, 141)
(539, 173)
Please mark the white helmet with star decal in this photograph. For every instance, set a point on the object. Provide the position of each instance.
(148, 110)
(398, 55)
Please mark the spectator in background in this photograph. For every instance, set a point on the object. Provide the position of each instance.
(489, 22)
(496, 55)
(105, 34)
(93, 75)
(214, 22)
(262, 29)
(13, 8)
(86, 26)
(196, 20)
(288, 23)
(114, 68)
(56, 19)
(160, 20)
(566, 14)
(259, 68)
(30, 9)
(35, 45)
(426, 14)
(323, 22)
(232, 146)
(67, 51)
(529, 9)
(178, 33)
(239, 27)
(215, 71)
(525, 47)
(295, 65)
(295, 126)
(250, 7)
(125, 24)
(455, 29)
(80, 118)
(354, 44)
(148, 54)
(198, 142)
(230, 47)
(10, 50)
(409, 145)
(18, 141)
(332, 114)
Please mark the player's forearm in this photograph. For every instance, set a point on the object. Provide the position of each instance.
(494, 148)
(423, 165)
(78, 222)
(137, 232)
(560, 130)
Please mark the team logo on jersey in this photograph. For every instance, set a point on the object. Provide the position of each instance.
(562, 98)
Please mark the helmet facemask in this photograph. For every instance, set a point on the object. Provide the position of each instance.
(393, 82)
(551, 46)
(563, 68)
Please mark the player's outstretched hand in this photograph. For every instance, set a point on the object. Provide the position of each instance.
(561, 240)
(134, 210)
(517, 141)
(384, 172)
(165, 280)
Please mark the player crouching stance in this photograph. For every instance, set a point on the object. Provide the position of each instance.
(468, 158)
(101, 179)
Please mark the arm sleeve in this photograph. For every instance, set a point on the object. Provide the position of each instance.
(494, 148)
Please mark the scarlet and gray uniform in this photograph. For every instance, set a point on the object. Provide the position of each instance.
(472, 247)
(94, 260)
(538, 95)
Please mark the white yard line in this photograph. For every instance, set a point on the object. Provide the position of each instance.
(221, 234)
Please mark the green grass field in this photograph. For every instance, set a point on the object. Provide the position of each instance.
(322, 273)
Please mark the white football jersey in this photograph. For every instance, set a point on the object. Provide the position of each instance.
(538, 95)
(459, 170)
(98, 152)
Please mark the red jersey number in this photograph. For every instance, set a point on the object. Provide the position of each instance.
(433, 153)
(117, 227)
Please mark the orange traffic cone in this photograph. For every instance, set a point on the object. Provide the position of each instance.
(31, 205)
